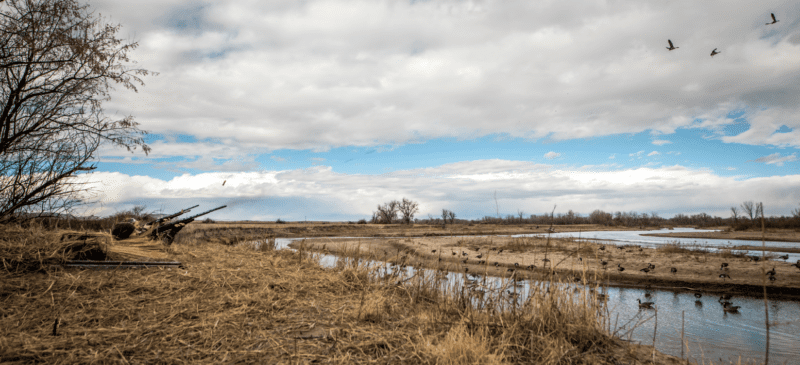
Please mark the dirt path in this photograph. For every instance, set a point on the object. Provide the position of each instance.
(570, 259)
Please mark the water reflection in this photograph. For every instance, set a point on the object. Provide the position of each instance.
(709, 332)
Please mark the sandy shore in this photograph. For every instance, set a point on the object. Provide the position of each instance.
(569, 260)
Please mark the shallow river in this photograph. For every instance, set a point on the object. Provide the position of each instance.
(709, 333)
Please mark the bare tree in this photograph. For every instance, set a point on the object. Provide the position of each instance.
(521, 215)
(748, 209)
(759, 211)
(408, 208)
(445, 215)
(452, 215)
(387, 213)
(735, 214)
(796, 213)
(58, 61)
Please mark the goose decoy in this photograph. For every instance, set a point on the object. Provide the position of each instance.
(651, 266)
(433, 251)
(725, 297)
(479, 256)
(645, 305)
(784, 257)
(602, 248)
(714, 52)
(671, 47)
(604, 263)
(773, 19)
(724, 276)
(772, 278)
(620, 268)
(698, 295)
(673, 270)
(647, 295)
(645, 270)
(771, 272)
(496, 264)
(728, 307)
(724, 265)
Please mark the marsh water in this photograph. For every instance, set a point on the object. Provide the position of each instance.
(709, 333)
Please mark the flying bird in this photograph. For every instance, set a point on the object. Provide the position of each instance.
(671, 47)
(773, 19)
(714, 52)
(223, 183)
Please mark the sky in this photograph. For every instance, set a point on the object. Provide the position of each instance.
(321, 110)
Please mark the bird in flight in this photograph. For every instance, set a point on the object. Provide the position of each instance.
(714, 52)
(773, 19)
(671, 47)
(223, 183)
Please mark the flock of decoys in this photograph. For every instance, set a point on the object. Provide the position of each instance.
(714, 52)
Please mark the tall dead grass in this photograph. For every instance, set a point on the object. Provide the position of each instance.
(242, 304)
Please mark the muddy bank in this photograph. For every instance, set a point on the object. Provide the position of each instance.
(569, 260)
(783, 235)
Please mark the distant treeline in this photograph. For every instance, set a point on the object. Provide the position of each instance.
(634, 219)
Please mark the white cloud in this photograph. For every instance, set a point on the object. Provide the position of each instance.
(654, 153)
(551, 155)
(636, 154)
(776, 159)
(613, 156)
(661, 142)
(676, 153)
(466, 187)
(317, 74)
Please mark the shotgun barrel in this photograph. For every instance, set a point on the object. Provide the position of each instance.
(164, 219)
(169, 230)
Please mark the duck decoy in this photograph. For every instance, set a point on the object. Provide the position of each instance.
(714, 52)
(771, 272)
(671, 47)
(773, 19)
(724, 276)
(645, 305)
(673, 270)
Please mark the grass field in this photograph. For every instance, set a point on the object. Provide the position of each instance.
(242, 304)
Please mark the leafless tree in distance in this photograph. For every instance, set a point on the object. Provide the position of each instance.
(748, 208)
(408, 208)
(58, 61)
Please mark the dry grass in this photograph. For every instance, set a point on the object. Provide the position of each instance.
(250, 303)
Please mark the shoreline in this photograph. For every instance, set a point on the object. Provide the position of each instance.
(747, 276)
(723, 235)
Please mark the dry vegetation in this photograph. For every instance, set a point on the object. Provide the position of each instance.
(725, 233)
(247, 304)
(697, 267)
